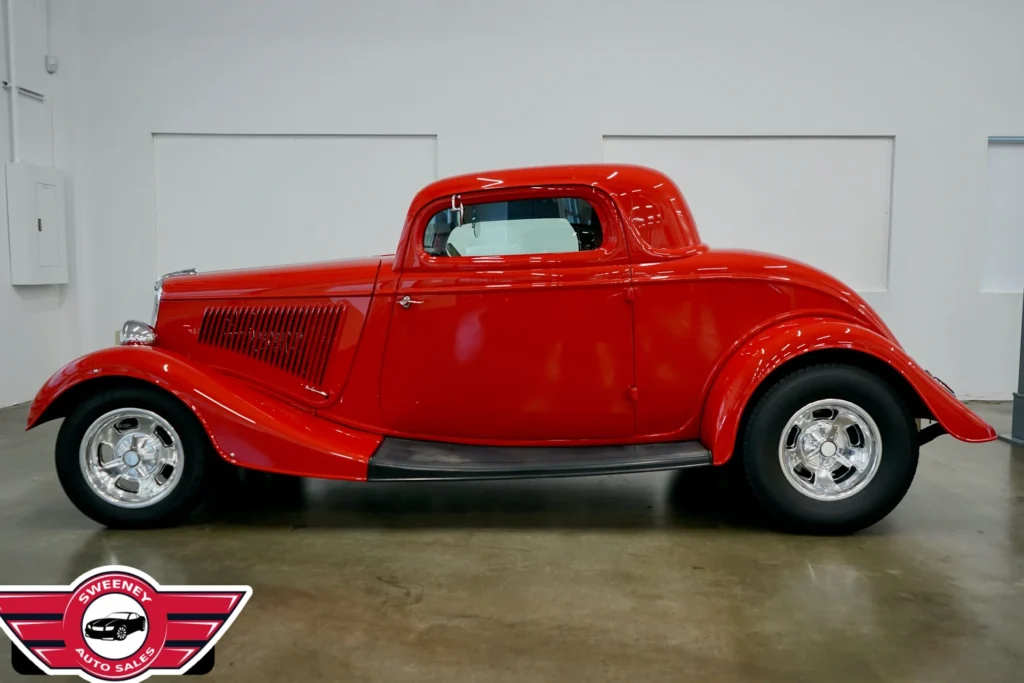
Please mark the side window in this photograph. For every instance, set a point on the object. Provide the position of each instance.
(525, 226)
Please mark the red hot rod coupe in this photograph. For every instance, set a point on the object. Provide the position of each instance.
(534, 322)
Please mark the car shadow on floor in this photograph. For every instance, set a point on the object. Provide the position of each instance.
(692, 498)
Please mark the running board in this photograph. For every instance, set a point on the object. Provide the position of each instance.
(405, 460)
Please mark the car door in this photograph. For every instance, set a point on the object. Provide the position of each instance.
(512, 321)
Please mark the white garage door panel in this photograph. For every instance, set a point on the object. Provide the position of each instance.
(235, 201)
(1003, 265)
(824, 201)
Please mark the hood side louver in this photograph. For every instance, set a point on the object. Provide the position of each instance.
(294, 338)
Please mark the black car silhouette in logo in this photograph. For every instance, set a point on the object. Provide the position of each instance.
(116, 626)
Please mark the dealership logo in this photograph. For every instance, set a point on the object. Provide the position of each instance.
(118, 624)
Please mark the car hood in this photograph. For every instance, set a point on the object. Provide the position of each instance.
(327, 278)
(99, 623)
(311, 316)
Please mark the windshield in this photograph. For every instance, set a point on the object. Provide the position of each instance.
(119, 615)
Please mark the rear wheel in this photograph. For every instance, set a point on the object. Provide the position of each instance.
(133, 457)
(829, 449)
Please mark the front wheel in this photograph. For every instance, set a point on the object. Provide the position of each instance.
(829, 449)
(133, 457)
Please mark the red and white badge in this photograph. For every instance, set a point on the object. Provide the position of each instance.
(118, 624)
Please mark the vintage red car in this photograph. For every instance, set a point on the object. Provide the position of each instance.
(535, 322)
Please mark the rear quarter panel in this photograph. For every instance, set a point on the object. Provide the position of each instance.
(693, 313)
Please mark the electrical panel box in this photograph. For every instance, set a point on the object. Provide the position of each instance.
(35, 225)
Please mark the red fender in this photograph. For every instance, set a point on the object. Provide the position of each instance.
(247, 428)
(760, 356)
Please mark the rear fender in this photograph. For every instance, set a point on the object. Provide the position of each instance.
(770, 350)
(246, 427)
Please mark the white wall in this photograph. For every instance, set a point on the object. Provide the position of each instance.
(1003, 263)
(823, 201)
(39, 322)
(535, 82)
(238, 201)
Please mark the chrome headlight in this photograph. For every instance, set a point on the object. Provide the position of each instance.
(134, 332)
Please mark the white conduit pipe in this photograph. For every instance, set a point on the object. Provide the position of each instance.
(12, 80)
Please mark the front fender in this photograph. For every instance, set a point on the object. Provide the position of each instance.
(748, 367)
(247, 428)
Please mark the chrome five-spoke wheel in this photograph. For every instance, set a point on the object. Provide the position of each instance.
(813, 444)
(830, 450)
(131, 458)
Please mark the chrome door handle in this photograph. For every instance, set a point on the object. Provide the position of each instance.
(406, 302)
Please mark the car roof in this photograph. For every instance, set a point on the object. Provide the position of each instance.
(619, 181)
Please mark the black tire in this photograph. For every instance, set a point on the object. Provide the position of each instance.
(122, 633)
(762, 432)
(196, 468)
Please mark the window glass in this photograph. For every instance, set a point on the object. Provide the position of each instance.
(524, 226)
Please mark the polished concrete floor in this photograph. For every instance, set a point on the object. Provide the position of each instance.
(654, 577)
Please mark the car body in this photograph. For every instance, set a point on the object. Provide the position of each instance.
(116, 626)
(630, 346)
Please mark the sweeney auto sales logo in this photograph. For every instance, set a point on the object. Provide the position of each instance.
(118, 624)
